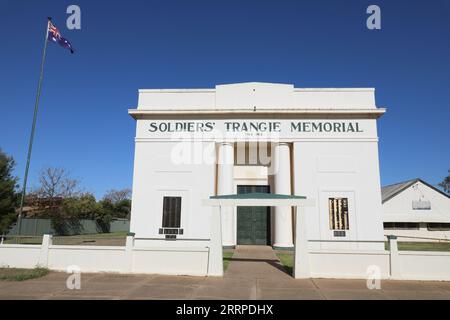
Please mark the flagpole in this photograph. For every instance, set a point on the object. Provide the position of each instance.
(33, 127)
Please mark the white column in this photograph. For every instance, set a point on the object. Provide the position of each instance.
(225, 157)
(282, 183)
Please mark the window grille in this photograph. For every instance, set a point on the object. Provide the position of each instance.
(171, 212)
(338, 211)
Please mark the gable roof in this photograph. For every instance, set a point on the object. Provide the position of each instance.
(390, 191)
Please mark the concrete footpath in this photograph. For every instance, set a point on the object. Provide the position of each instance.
(254, 273)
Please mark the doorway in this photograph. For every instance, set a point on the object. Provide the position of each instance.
(253, 223)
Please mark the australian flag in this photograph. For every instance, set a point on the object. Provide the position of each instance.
(55, 36)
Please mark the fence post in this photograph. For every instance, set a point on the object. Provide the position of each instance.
(47, 241)
(301, 250)
(129, 244)
(215, 259)
(395, 268)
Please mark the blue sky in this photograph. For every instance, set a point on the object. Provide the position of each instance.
(83, 124)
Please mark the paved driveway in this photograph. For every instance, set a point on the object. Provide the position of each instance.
(254, 273)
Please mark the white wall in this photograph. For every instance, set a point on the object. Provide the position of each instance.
(348, 264)
(424, 265)
(350, 169)
(155, 175)
(20, 256)
(88, 258)
(192, 261)
(257, 94)
(200, 260)
(254, 94)
(329, 98)
(401, 204)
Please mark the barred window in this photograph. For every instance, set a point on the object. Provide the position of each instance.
(338, 211)
(171, 212)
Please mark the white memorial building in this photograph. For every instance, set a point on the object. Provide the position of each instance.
(192, 144)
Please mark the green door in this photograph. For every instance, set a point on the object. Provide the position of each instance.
(253, 223)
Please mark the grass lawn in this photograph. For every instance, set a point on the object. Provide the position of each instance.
(104, 235)
(422, 246)
(26, 240)
(287, 260)
(14, 274)
(226, 259)
(97, 239)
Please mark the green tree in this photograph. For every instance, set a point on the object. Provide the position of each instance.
(105, 215)
(8, 196)
(117, 203)
(72, 210)
(445, 184)
(82, 207)
(122, 209)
